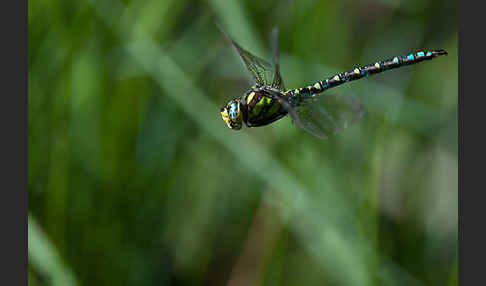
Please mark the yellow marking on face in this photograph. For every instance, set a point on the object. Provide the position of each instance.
(356, 71)
(377, 65)
(296, 91)
(317, 85)
(250, 97)
(224, 115)
(336, 78)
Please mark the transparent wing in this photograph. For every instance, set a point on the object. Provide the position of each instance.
(262, 71)
(277, 78)
(325, 115)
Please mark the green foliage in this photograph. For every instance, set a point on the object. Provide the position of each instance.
(135, 180)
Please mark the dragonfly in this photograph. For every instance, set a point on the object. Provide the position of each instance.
(322, 115)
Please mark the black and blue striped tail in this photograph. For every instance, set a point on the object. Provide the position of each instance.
(361, 72)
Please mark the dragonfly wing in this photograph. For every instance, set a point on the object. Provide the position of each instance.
(325, 115)
(277, 78)
(261, 70)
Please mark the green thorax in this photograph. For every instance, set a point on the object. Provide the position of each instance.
(262, 109)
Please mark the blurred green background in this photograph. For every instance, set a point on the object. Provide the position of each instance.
(134, 179)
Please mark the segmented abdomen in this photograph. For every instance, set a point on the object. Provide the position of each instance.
(360, 72)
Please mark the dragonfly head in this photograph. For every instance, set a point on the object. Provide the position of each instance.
(232, 115)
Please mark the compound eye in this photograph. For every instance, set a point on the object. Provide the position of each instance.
(233, 110)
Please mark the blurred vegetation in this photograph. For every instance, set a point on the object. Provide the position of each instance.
(135, 180)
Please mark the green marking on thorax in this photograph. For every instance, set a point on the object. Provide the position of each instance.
(275, 107)
(260, 104)
(268, 100)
